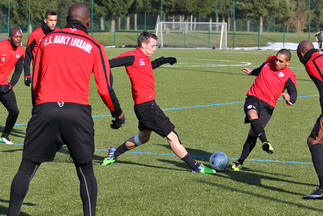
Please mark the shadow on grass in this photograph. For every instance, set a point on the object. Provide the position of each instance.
(15, 132)
(260, 195)
(4, 210)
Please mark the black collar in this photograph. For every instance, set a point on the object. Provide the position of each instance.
(45, 28)
(308, 55)
(76, 24)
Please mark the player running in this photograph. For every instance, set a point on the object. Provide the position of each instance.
(151, 118)
(273, 77)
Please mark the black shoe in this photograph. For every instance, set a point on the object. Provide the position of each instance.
(318, 194)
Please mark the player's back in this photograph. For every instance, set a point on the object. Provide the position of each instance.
(64, 64)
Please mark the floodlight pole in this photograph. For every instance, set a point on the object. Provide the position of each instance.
(309, 20)
(233, 21)
(8, 17)
(28, 19)
(92, 19)
(161, 10)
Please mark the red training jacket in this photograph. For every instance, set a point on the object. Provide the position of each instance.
(141, 76)
(9, 56)
(270, 83)
(63, 66)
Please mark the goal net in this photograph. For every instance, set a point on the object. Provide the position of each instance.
(192, 34)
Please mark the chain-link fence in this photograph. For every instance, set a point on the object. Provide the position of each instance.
(123, 30)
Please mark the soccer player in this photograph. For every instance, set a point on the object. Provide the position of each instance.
(313, 63)
(12, 56)
(61, 113)
(151, 118)
(319, 37)
(35, 38)
(273, 77)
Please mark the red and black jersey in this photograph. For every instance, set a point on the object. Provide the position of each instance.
(314, 67)
(63, 66)
(33, 42)
(10, 58)
(270, 83)
(140, 71)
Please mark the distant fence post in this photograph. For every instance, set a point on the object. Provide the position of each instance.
(258, 37)
(284, 36)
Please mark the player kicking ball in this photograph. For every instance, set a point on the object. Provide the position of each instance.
(151, 118)
(273, 77)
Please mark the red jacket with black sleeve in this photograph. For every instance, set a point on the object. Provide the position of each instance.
(33, 43)
(10, 58)
(63, 66)
(313, 62)
(140, 71)
(271, 83)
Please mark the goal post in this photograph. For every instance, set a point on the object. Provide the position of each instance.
(192, 34)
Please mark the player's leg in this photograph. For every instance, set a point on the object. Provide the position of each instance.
(315, 144)
(10, 103)
(20, 185)
(131, 143)
(248, 146)
(182, 153)
(88, 187)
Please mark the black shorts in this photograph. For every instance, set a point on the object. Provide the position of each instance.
(263, 109)
(55, 124)
(151, 117)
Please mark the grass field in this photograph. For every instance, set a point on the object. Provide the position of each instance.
(203, 95)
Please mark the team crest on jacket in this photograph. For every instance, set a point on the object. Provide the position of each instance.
(281, 74)
(60, 104)
(17, 56)
(141, 62)
(3, 59)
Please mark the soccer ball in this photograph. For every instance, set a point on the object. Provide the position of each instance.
(219, 161)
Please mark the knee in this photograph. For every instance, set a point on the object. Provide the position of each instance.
(252, 114)
(14, 112)
(310, 141)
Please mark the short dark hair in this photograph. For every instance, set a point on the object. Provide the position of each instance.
(50, 12)
(286, 53)
(145, 36)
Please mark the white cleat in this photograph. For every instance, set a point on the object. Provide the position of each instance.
(6, 141)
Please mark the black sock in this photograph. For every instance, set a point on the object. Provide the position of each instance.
(317, 154)
(20, 185)
(258, 129)
(88, 187)
(191, 162)
(120, 150)
(247, 148)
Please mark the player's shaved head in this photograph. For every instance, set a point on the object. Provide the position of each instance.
(79, 12)
(13, 31)
(303, 47)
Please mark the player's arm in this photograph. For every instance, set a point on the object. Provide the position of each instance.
(122, 61)
(160, 61)
(27, 61)
(104, 81)
(18, 70)
(255, 71)
(291, 96)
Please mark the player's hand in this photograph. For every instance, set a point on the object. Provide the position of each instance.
(118, 122)
(27, 81)
(286, 97)
(170, 60)
(246, 70)
(5, 88)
